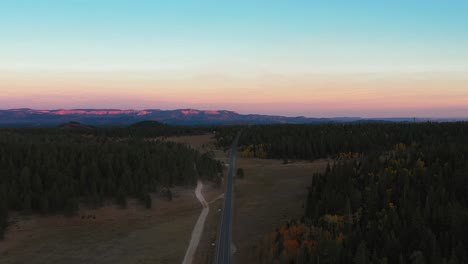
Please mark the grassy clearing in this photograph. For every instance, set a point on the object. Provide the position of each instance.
(202, 143)
(113, 235)
(205, 252)
(106, 235)
(270, 194)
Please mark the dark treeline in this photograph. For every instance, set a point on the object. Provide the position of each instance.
(404, 199)
(143, 129)
(52, 171)
(328, 140)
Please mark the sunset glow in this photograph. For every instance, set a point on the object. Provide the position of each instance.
(374, 59)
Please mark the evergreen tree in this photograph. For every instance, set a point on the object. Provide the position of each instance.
(3, 210)
(362, 254)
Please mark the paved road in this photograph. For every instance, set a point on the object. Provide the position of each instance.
(223, 250)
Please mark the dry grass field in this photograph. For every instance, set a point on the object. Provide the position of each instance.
(106, 235)
(205, 252)
(202, 143)
(269, 194)
(199, 142)
(113, 235)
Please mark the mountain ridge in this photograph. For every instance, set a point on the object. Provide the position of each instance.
(25, 117)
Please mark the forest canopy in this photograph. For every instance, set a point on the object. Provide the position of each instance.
(53, 171)
(396, 193)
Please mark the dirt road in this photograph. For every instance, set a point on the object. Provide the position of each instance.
(198, 229)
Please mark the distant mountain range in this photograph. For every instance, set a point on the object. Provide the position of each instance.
(25, 117)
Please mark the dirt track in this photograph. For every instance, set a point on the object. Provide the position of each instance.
(198, 229)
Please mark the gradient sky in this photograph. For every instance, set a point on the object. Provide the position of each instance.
(313, 58)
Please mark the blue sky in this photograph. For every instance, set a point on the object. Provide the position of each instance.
(244, 39)
(335, 33)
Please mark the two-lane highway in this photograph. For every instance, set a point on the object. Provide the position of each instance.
(223, 252)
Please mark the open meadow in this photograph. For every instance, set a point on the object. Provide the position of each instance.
(270, 194)
(111, 234)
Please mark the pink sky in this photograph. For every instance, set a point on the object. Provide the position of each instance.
(311, 58)
(315, 94)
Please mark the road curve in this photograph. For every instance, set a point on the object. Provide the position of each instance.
(198, 229)
(223, 249)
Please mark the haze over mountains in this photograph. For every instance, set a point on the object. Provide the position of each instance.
(103, 117)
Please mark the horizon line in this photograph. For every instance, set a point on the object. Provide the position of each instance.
(236, 112)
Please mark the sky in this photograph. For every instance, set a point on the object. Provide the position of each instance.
(398, 58)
